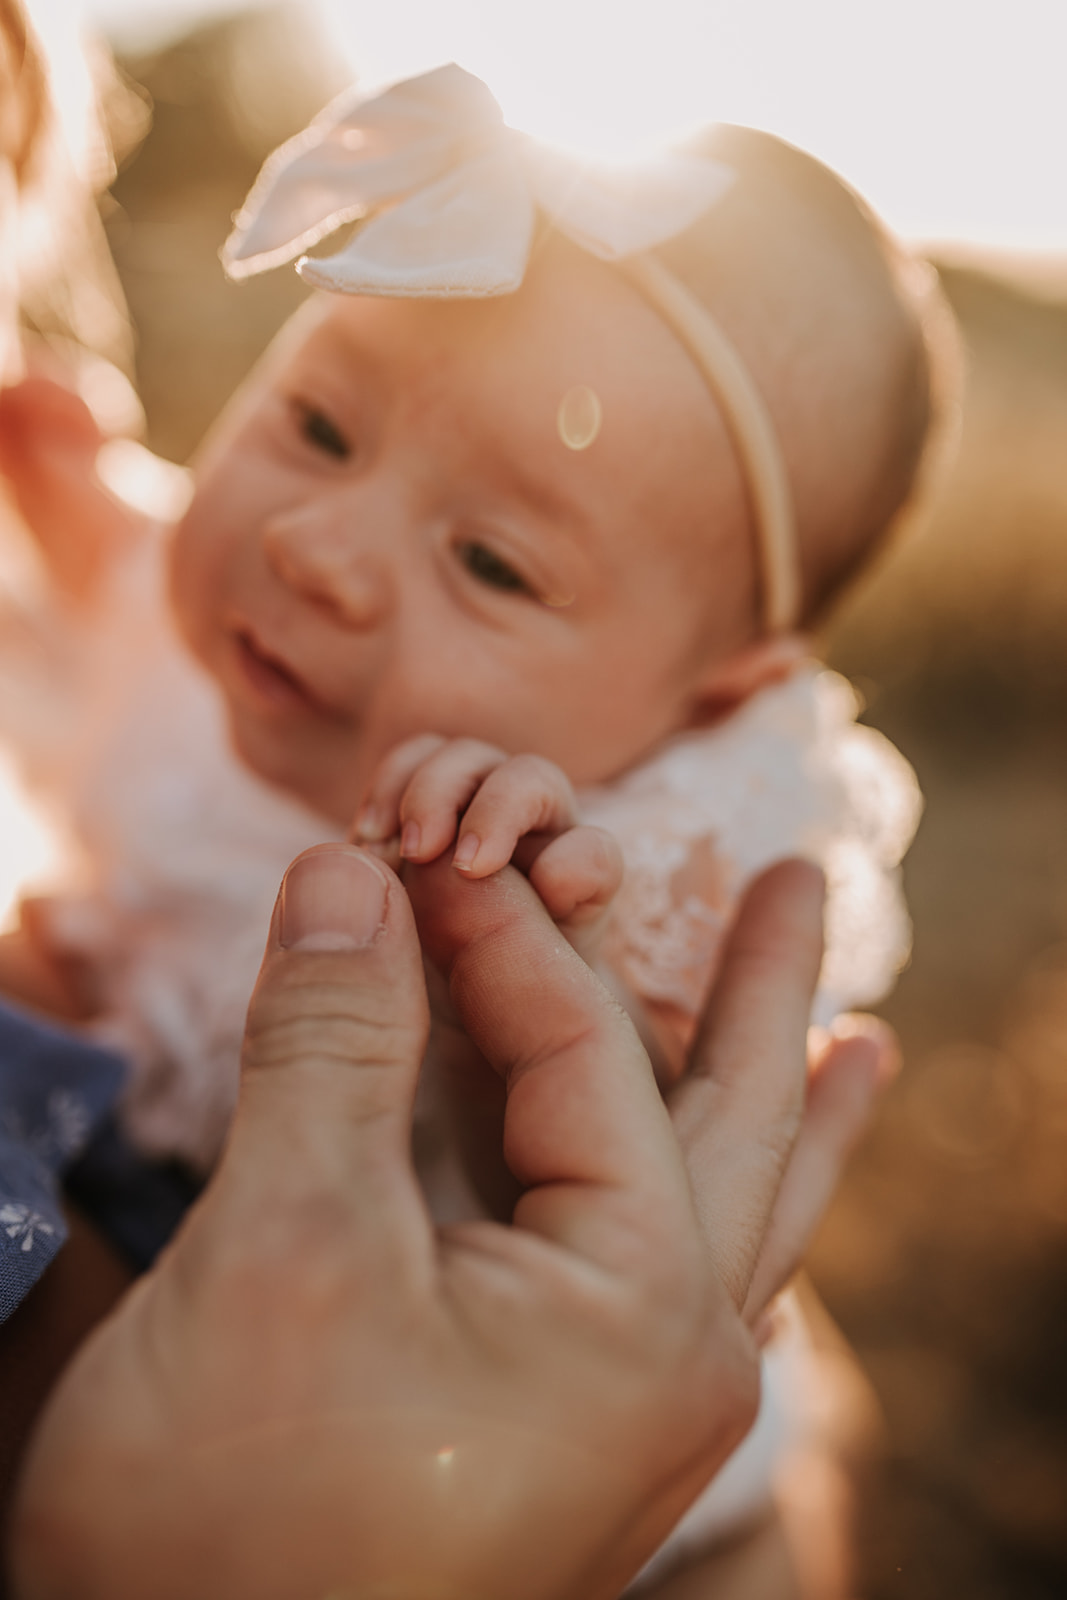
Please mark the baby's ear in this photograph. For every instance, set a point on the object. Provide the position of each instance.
(728, 683)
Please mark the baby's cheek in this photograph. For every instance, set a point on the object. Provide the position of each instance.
(196, 573)
(181, 565)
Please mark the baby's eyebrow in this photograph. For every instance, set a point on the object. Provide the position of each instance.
(342, 357)
(565, 508)
(564, 518)
(539, 494)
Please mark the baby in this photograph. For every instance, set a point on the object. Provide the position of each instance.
(506, 547)
(447, 523)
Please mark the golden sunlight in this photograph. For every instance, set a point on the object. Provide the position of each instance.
(27, 851)
(950, 118)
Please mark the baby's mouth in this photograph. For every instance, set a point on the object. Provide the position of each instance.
(270, 678)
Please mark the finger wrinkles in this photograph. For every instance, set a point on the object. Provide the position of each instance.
(330, 1036)
(500, 980)
(359, 985)
(314, 1012)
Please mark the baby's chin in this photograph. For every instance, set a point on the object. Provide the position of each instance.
(296, 774)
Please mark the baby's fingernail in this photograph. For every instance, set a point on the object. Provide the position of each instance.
(332, 900)
(465, 852)
(410, 839)
(371, 824)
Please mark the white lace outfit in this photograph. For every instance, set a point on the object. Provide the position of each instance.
(177, 853)
(789, 773)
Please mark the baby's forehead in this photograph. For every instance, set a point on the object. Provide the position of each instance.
(571, 308)
(574, 324)
(530, 367)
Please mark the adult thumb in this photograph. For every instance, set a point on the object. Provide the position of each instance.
(336, 1032)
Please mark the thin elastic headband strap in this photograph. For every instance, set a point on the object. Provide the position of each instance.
(750, 427)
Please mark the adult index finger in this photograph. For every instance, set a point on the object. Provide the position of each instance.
(586, 1132)
(738, 1111)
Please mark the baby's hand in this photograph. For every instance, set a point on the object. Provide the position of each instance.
(497, 808)
(431, 793)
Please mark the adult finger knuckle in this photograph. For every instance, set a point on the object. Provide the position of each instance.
(325, 1019)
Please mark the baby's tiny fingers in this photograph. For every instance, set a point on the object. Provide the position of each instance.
(439, 793)
(526, 795)
(578, 875)
(378, 818)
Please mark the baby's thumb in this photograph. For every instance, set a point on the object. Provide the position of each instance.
(336, 1032)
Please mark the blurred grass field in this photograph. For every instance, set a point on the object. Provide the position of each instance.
(945, 1258)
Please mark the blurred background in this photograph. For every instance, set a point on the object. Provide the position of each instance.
(945, 1258)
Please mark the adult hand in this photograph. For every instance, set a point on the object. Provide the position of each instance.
(316, 1393)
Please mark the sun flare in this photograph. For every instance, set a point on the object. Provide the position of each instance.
(948, 120)
(586, 77)
(28, 852)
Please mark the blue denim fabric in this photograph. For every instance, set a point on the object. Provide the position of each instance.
(58, 1134)
(55, 1090)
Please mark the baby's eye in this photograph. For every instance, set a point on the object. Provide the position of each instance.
(483, 564)
(319, 431)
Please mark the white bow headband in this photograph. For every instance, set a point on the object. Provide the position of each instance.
(452, 195)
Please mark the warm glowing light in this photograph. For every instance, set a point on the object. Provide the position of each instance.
(579, 417)
(73, 94)
(585, 76)
(28, 853)
(949, 116)
(445, 1455)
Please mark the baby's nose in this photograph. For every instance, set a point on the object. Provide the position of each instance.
(317, 555)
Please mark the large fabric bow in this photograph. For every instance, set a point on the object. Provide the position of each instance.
(452, 195)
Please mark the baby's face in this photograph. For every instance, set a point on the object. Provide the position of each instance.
(390, 537)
